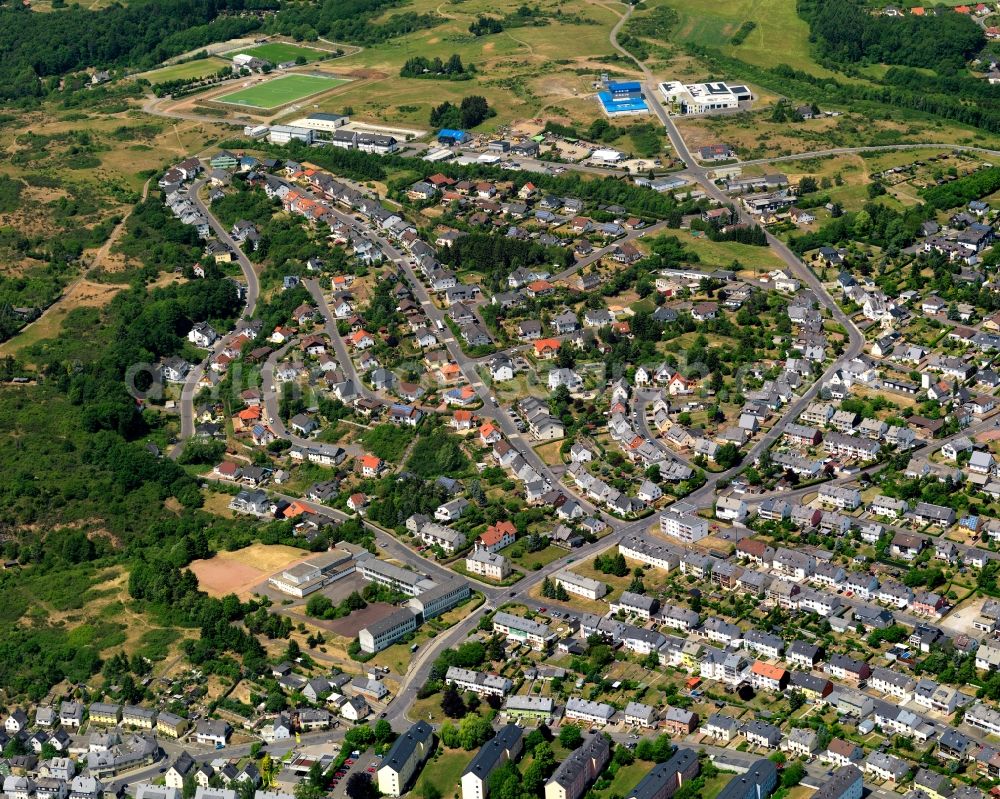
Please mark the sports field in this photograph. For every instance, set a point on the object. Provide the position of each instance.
(280, 52)
(279, 91)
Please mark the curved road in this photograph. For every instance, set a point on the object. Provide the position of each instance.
(190, 388)
(704, 496)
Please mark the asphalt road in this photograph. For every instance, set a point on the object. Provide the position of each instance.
(424, 659)
(596, 256)
(190, 387)
(330, 326)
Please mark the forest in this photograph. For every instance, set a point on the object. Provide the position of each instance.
(849, 33)
(36, 46)
(875, 223)
(76, 455)
(472, 111)
(348, 20)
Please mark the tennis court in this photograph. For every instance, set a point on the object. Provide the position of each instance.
(280, 91)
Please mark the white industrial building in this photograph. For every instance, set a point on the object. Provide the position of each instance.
(282, 134)
(321, 122)
(704, 98)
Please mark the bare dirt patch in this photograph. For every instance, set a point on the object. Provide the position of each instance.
(238, 572)
(960, 620)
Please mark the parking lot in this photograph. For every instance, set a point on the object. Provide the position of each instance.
(366, 764)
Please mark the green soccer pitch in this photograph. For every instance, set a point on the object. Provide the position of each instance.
(280, 91)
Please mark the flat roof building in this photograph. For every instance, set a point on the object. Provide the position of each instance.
(704, 98)
(386, 631)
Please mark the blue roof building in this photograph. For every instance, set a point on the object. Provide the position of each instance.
(621, 89)
(450, 136)
(622, 104)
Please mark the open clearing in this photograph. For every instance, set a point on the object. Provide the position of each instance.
(81, 294)
(239, 571)
(713, 25)
(279, 52)
(280, 91)
(522, 72)
(199, 68)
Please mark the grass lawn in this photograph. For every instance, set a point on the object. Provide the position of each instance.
(549, 452)
(199, 68)
(532, 561)
(279, 91)
(626, 779)
(444, 772)
(280, 52)
(510, 579)
(715, 785)
(398, 656)
(712, 24)
(723, 253)
(585, 568)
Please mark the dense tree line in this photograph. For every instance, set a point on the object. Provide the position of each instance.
(437, 453)
(159, 240)
(849, 33)
(484, 26)
(873, 98)
(420, 67)
(348, 20)
(397, 498)
(498, 256)
(957, 193)
(751, 234)
(472, 111)
(875, 223)
(35, 46)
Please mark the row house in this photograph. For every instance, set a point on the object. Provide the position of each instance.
(803, 654)
(893, 683)
(819, 602)
(848, 669)
(766, 676)
(850, 446)
(793, 564)
(814, 687)
(888, 507)
(720, 728)
(840, 497)
(764, 644)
